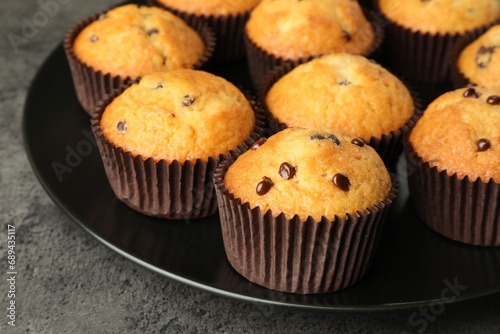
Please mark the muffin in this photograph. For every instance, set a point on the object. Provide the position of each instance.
(293, 205)
(425, 33)
(226, 18)
(348, 92)
(114, 48)
(280, 31)
(479, 62)
(454, 165)
(161, 139)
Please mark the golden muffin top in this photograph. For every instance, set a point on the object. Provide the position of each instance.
(345, 91)
(460, 133)
(309, 172)
(292, 29)
(132, 41)
(479, 62)
(179, 115)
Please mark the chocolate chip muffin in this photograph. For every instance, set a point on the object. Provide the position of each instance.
(348, 92)
(290, 196)
(441, 16)
(454, 159)
(479, 62)
(226, 18)
(341, 90)
(460, 133)
(297, 169)
(181, 115)
(421, 35)
(132, 41)
(296, 30)
(292, 29)
(161, 138)
(116, 47)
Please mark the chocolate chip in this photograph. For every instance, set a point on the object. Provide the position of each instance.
(94, 38)
(258, 143)
(341, 181)
(121, 126)
(153, 31)
(483, 144)
(334, 139)
(346, 35)
(264, 186)
(317, 136)
(158, 86)
(344, 82)
(483, 56)
(330, 137)
(165, 60)
(493, 100)
(471, 92)
(287, 171)
(358, 142)
(188, 100)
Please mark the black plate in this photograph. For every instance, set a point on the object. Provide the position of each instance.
(413, 266)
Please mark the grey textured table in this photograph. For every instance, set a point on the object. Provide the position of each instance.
(69, 283)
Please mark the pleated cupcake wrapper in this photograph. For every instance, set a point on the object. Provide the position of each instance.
(457, 78)
(261, 62)
(228, 29)
(460, 209)
(290, 255)
(423, 57)
(92, 86)
(389, 146)
(176, 190)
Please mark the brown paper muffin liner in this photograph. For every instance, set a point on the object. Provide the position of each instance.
(261, 62)
(423, 57)
(92, 86)
(457, 78)
(460, 209)
(388, 146)
(290, 255)
(228, 30)
(176, 190)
